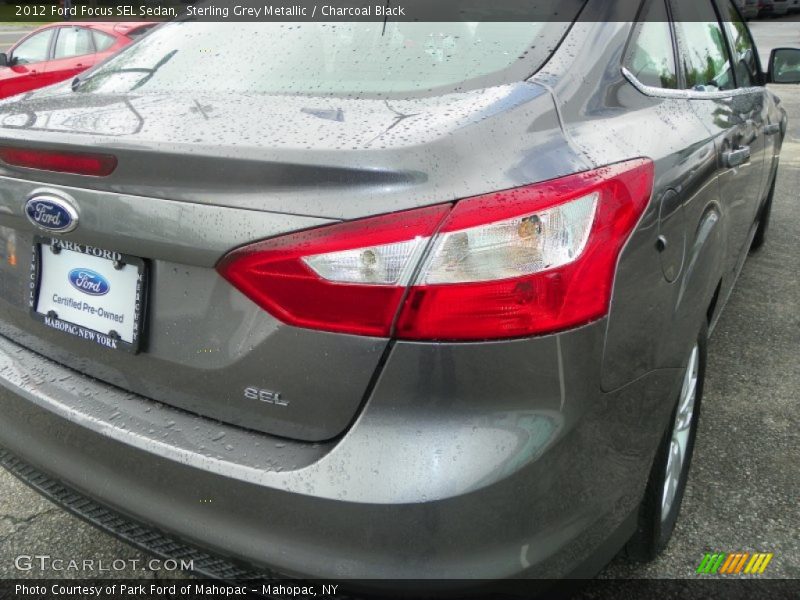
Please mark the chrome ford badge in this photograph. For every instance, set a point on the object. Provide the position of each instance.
(51, 213)
(89, 282)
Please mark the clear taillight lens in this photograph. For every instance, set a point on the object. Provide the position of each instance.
(520, 262)
(387, 264)
(347, 278)
(513, 247)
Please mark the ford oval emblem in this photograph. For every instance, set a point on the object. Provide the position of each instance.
(89, 282)
(51, 213)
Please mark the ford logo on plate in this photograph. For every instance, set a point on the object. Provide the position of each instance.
(89, 282)
(51, 213)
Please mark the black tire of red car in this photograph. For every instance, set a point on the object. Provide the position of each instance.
(654, 526)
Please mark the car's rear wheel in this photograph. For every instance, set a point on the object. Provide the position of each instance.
(664, 493)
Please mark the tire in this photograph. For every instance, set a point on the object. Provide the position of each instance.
(657, 515)
(763, 221)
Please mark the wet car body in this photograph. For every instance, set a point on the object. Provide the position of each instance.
(390, 458)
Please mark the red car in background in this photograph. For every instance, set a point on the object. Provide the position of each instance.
(60, 51)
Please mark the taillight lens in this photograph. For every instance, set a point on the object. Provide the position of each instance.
(349, 277)
(520, 262)
(79, 163)
(528, 261)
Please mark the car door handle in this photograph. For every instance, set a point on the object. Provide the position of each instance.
(735, 158)
(772, 128)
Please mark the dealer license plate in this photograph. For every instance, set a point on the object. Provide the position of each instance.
(88, 292)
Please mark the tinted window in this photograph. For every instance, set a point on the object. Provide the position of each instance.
(745, 59)
(703, 49)
(73, 41)
(103, 41)
(349, 58)
(34, 49)
(651, 56)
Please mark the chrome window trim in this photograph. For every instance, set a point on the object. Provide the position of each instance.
(658, 92)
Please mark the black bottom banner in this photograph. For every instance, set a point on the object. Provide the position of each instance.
(616, 589)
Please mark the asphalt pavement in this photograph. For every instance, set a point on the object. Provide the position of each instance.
(742, 493)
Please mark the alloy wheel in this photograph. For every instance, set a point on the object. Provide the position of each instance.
(681, 428)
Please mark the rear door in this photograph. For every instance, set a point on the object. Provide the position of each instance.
(28, 60)
(733, 113)
(73, 53)
(749, 80)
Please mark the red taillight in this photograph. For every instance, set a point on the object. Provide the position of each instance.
(79, 163)
(276, 275)
(572, 287)
(516, 263)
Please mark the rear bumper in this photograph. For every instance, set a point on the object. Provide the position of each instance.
(531, 484)
(137, 534)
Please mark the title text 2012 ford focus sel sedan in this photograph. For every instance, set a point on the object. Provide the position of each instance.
(382, 300)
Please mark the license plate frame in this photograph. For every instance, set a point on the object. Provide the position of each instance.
(77, 330)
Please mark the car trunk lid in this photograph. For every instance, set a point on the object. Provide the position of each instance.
(198, 177)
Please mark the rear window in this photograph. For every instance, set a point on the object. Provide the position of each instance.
(73, 41)
(651, 54)
(360, 58)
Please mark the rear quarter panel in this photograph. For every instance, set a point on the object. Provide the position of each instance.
(653, 315)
